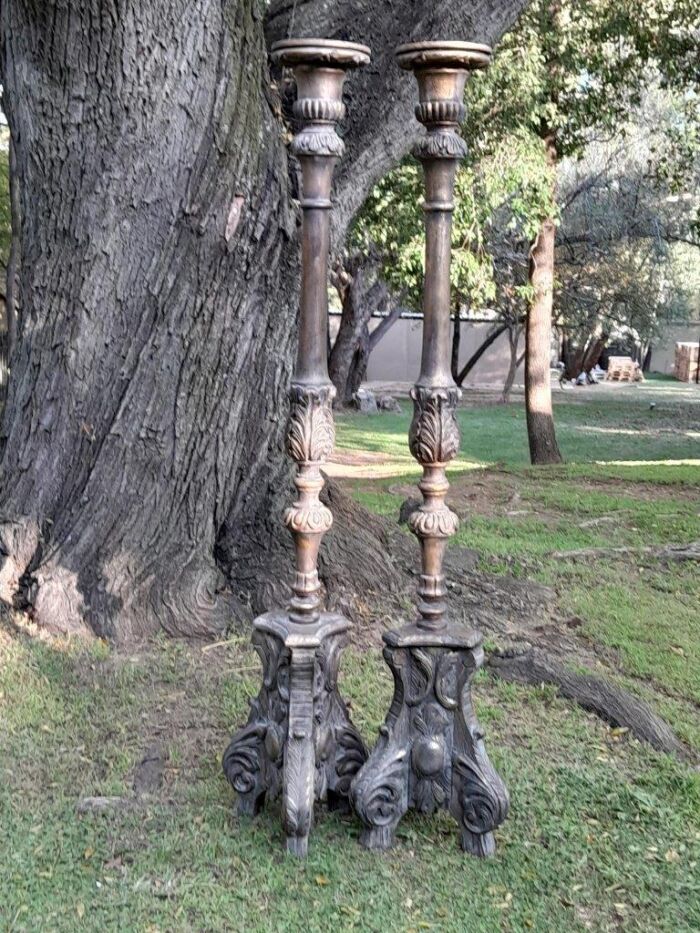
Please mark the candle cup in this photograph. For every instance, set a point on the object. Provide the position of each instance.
(431, 754)
(299, 742)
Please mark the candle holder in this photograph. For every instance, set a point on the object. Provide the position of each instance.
(430, 753)
(299, 741)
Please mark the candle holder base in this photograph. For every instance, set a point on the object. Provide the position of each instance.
(299, 742)
(430, 754)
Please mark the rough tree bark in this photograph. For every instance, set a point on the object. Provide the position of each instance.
(11, 283)
(538, 338)
(141, 440)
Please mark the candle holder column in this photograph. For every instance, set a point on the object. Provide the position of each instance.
(299, 741)
(430, 754)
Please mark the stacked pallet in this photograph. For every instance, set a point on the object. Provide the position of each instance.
(623, 369)
(687, 362)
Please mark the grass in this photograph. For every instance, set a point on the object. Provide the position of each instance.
(626, 490)
(604, 833)
(78, 718)
(597, 424)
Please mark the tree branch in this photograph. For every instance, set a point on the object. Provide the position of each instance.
(380, 125)
(387, 322)
(476, 356)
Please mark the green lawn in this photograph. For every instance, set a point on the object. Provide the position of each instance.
(601, 423)
(604, 833)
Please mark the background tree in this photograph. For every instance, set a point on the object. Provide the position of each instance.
(142, 472)
(568, 69)
(627, 259)
(363, 292)
(498, 201)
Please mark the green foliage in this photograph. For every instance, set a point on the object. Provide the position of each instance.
(569, 74)
(509, 190)
(572, 66)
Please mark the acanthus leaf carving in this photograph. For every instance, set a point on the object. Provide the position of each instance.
(380, 795)
(242, 758)
(435, 523)
(311, 432)
(434, 433)
(483, 795)
(310, 519)
(442, 144)
(318, 143)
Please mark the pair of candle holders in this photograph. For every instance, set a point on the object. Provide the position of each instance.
(299, 743)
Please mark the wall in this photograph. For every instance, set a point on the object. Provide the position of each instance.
(663, 353)
(397, 356)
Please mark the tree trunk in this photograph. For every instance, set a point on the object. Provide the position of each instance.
(538, 341)
(594, 352)
(456, 344)
(582, 359)
(142, 437)
(513, 340)
(367, 342)
(361, 297)
(11, 289)
(362, 294)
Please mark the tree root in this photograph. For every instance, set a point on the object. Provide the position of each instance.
(611, 703)
(679, 552)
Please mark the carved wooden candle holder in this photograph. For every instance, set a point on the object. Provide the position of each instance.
(430, 753)
(299, 741)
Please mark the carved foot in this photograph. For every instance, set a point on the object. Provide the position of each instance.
(379, 793)
(298, 846)
(299, 742)
(479, 796)
(430, 754)
(299, 753)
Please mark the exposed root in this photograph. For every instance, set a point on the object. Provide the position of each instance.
(679, 552)
(613, 704)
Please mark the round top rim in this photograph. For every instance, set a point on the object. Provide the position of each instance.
(443, 52)
(327, 51)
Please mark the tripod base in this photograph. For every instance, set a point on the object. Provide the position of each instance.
(430, 754)
(299, 742)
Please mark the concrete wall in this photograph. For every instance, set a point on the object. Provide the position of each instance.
(663, 353)
(397, 356)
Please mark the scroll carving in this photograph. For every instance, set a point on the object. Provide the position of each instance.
(430, 754)
(299, 741)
